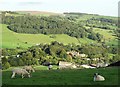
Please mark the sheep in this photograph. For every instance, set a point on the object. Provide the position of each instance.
(29, 68)
(20, 71)
(50, 67)
(98, 77)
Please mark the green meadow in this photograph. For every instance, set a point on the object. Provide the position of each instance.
(42, 76)
(11, 39)
(108, 36)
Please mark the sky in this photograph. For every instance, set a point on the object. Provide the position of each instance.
(101, 7)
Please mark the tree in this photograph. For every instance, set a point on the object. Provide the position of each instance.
(4, 60)
(55, 61)
(20, 62)
(4, 52)
(92, 36)
(99, 37)
(116, 58)
(36, 62)
(13, 62)
(28, 55)
(69, 58)
(6, 65)
(63, 54)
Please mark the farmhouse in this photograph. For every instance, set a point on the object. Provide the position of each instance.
(63, 64)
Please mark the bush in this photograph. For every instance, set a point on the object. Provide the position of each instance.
(6, 65)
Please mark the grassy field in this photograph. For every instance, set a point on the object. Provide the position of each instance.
(11, 39)
(108, 35)
(42, 76)
(86, 41)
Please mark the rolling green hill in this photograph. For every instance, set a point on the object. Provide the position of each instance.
(11, 39)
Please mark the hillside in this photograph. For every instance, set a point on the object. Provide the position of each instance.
(33, 13)
(39, 39)
(12, 40)
(78, 28)
(20, 39)
(38, 13)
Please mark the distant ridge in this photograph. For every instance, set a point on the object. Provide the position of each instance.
(38, 12)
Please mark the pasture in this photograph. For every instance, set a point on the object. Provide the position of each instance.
(11, 39)
(108, 36)
(42, 76)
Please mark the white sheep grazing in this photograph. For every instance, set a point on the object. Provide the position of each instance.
(29, 68)
(98, 77)
(20, 71)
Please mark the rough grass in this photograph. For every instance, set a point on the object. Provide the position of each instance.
(64, 77)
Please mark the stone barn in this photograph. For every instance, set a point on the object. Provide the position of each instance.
(63, 65)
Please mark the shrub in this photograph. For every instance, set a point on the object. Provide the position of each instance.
(6, 65)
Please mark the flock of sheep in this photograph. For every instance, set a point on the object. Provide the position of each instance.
(26, 70)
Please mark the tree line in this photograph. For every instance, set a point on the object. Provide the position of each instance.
(49, 25)
(55, 52)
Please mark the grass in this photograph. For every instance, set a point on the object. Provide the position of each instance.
(64, 77)
(107, 35)
(86, 41)
(11, 39)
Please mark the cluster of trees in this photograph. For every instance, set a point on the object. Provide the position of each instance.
(53, 53)
(96, 21)
(49, 25)
(103, 23)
